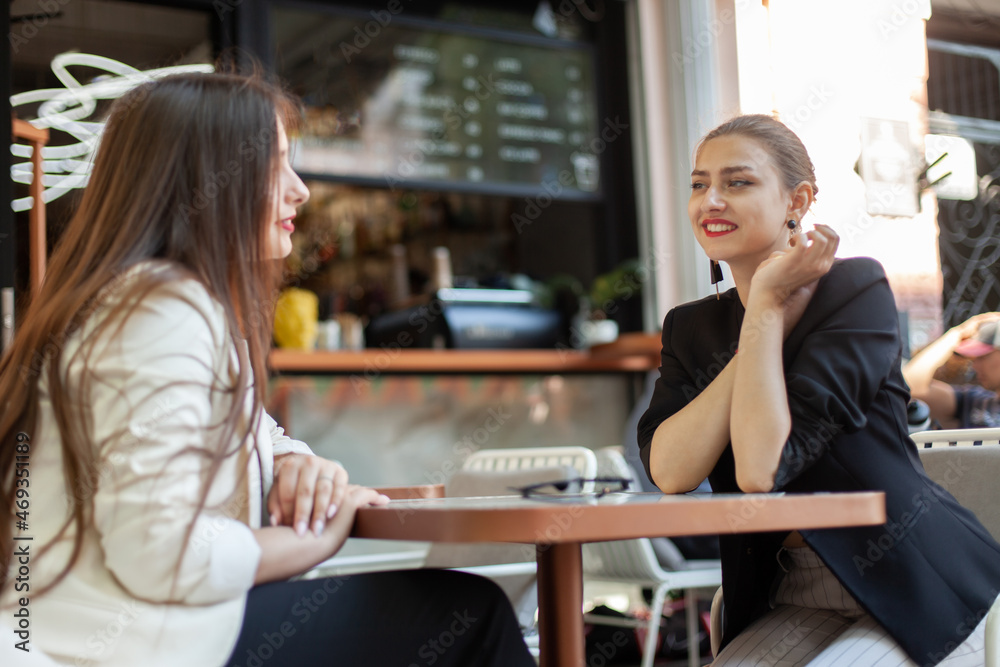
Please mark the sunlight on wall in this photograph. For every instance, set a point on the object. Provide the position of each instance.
(824, 67)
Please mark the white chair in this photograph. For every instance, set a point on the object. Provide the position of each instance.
(970, 474)
(494, 472)
(582, 459)
(498, 472)
(955, 437)
(635, 562)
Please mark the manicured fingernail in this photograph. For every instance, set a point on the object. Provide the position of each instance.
(330, 511)
(300, 528)
(274, 520)
(317, 527)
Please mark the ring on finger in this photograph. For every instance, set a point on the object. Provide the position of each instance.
(328, 478)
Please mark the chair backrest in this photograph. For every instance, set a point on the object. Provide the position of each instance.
(582, 459)
(493, 472)
(970, 474)
(954, 437)
(519, 458)
(627, 559)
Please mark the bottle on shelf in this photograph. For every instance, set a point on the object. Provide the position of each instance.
(399, 285)
(442, 277)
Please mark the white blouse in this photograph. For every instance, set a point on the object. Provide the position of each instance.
(155, 397)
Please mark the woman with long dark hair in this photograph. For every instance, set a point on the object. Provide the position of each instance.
(791, 381)
(136, 459)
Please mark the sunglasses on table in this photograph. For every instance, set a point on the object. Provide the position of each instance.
(572, 488)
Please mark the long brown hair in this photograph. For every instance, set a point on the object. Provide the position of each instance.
(183, 175)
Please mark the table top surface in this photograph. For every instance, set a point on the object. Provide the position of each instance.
(614, 516)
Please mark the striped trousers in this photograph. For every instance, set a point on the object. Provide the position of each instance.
(815, 621)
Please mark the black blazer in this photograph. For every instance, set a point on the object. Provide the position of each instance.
(932, 571)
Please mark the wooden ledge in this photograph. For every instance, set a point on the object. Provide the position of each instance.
(374, 360)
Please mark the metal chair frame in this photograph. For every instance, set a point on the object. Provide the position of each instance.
(634, 562)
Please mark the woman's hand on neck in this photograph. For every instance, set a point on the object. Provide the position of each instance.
(743, 269)
(787, 278)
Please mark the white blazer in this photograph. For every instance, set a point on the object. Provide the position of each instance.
(155, 393)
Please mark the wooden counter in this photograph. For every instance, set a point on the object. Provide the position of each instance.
(637, 352)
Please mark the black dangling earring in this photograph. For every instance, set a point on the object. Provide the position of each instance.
(717, 276)
(791, 224)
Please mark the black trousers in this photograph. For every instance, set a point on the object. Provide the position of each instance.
(411, 618)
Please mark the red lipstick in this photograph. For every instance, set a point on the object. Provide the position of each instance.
(717, 227)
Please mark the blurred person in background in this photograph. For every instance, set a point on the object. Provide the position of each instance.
(977, 340)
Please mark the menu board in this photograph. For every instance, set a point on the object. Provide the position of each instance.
(406, 103)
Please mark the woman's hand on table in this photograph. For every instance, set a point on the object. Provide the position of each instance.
(285, 554)
(355, 496)
(306, 493)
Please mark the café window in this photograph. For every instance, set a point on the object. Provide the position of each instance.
(476, 127)
(398, 101)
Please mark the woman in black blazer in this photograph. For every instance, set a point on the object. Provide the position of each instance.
(791, 382)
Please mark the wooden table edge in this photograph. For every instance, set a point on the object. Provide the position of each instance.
(566, 523)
